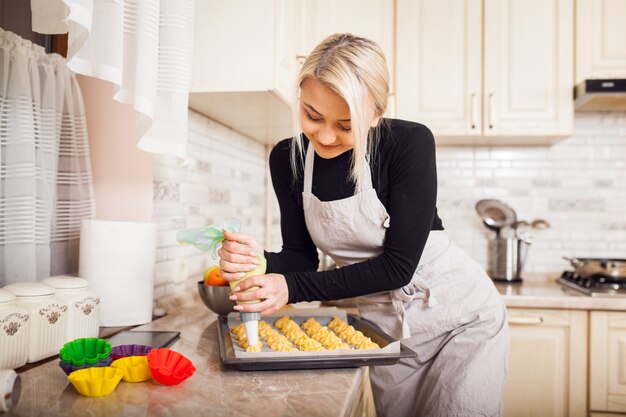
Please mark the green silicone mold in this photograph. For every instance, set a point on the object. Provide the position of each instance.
(87, 350)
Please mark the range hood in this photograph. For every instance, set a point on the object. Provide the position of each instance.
(598, 95)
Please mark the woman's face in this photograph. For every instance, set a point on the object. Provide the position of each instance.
(325, 119)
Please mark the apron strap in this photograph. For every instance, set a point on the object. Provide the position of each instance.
(308, 169)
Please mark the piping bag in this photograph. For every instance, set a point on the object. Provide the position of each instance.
(208, 239)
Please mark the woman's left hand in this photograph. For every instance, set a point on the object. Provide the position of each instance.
(273, 292)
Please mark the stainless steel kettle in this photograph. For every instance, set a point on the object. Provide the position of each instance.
(508, 258)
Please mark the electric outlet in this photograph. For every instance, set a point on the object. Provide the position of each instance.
(180, 269)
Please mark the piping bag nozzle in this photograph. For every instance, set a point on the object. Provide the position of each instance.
(251, 324)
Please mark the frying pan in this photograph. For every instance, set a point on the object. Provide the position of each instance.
(614, 268)
(495, 214)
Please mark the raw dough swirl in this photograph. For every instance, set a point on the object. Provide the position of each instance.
(351, 335)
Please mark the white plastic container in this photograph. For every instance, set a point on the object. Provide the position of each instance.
(83, 306)
(48, 318)
(14, 327)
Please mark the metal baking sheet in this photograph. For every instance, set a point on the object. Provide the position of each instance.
(274, 363)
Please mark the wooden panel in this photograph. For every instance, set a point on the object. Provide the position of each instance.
(439, 65)
(528, 67)
(607, 369)
(600, 39)
(372, 19)
(547, 365)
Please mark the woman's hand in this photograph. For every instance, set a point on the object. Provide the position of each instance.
(273, 292)
(238, 255)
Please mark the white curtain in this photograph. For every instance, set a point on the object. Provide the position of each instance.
(143, 47)
(45, 173)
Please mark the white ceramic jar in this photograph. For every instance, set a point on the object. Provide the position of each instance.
(14, 326)
(48, 318)
(83, 306)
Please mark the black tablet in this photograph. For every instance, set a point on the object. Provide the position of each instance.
(152, 338)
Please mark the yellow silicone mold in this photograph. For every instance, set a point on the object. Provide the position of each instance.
(135, 368)
(96, 382)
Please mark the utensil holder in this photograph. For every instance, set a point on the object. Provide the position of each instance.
(508, 259)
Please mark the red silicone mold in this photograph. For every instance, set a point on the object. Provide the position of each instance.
(169, 367)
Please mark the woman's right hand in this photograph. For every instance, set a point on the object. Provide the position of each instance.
(238, 255)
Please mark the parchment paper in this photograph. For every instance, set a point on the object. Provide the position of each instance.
(323, 316)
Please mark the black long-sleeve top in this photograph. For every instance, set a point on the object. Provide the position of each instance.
(404, 176)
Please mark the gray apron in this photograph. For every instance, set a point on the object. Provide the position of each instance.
(450, 314)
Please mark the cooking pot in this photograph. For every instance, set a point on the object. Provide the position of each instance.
(614, 268)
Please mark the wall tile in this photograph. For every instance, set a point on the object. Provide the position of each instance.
(223, 177)
(578, 185)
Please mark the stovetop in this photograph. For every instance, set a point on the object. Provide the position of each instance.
(594, 285)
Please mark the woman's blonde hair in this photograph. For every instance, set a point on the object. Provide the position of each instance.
(355, 68)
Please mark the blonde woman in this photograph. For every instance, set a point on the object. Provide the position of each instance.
(363, 190)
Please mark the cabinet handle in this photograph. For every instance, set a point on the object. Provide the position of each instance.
(490, 102)
(300, 59)
(527, 321)
(473, 110)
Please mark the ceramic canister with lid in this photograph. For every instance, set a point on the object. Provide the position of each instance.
(14, 326)
(83, 305)
(48, 318)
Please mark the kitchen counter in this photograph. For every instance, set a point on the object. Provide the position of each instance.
(544, 291)
(216, 391)
(211, 391)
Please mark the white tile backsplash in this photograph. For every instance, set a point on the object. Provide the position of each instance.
(578, 185)
(223, 177)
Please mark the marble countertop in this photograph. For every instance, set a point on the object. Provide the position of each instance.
(216, 391)
(211, 391)
(544, 291)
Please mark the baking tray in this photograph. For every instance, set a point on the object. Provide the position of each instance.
(275, 363)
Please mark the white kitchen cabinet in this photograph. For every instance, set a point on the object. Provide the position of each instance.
(600, 39)
(497, 72)
(547, 363)
(607, 368)
(245, 64)
(372, 19)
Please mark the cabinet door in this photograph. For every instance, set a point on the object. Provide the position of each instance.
(547, 363)
(286, 44)
(372, 19)
(600, 39)
(607, 367)
(528, 69)
(439, 65)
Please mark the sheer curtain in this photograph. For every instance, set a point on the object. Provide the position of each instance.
(143, 47)
(45, 174)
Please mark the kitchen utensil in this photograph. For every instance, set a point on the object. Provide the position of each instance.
(216, 298)
(96, 382)
(135, 368)
(540, 224)
(509, 259)
(614, 268)
(495, 214)
(169, 367)
(208, 239)
(88, 350)
(14, 332)
(48, 317)
(68, 368)
(123, 351)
